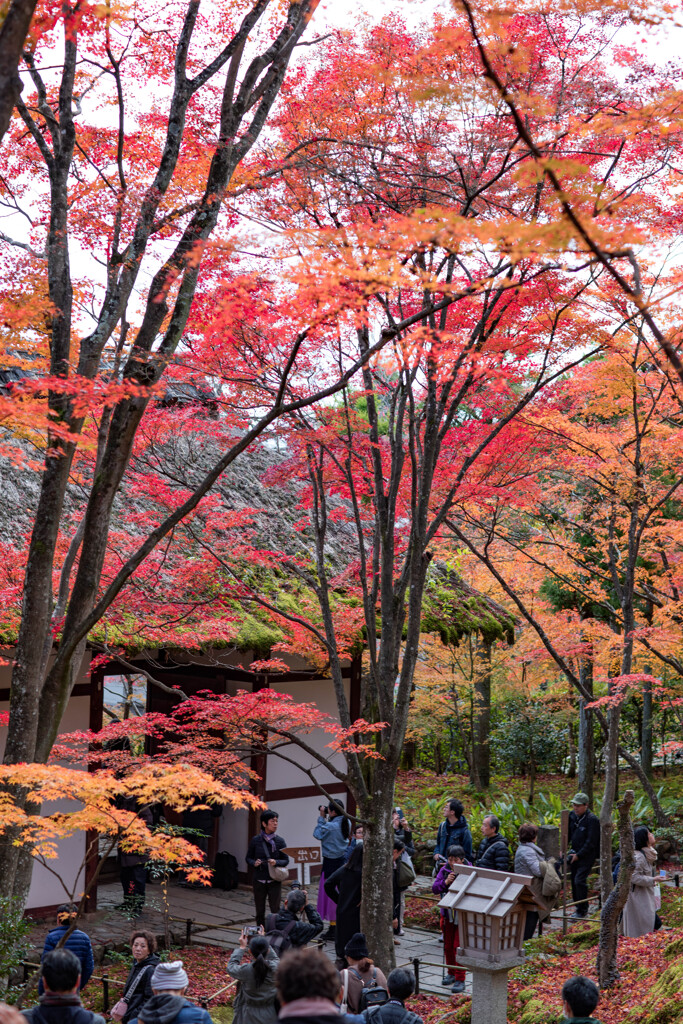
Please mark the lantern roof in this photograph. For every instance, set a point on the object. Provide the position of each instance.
(483, 891)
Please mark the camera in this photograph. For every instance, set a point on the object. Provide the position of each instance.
(251, 931)
(295, 885)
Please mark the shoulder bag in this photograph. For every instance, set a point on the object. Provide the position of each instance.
(120, 1008)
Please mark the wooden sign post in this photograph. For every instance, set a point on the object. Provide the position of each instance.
(564, 844)
(303, 857)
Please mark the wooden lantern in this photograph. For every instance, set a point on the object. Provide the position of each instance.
(492, 908)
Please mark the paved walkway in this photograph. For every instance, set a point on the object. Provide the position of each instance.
(217, 918)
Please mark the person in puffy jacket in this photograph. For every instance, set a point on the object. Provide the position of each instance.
(168, 1005)
(453, 831)
(494, 849)
(78, 942)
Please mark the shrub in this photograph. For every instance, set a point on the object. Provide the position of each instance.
(14, 942)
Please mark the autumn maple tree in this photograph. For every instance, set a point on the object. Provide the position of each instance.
(447, 415)
(148, 197)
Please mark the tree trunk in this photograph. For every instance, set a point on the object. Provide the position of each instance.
(586, 747)
(607, 968)
(480, 771)
(646, 733)
(571, 774)
(606, 825)
(377, 892)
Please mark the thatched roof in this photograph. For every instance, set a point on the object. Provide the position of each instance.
(452, 607)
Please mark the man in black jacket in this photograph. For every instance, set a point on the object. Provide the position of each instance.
(60, 1003)
(300, 932)
(584, 847)
(265, 850)
(494, 850)
(400, 985)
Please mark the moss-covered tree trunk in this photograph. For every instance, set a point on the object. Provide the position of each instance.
(608, 970)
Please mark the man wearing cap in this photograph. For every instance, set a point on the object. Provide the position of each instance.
(168, 1005)
(584, 847)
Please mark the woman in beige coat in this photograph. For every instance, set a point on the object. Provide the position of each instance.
(639, 912)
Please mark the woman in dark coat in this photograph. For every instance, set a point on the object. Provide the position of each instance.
(138, 987)
(344, 887)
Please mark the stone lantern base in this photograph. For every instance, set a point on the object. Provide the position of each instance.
(489, 987)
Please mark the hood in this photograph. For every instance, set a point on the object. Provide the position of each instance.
(162, 1009)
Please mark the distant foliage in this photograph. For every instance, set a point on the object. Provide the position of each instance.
(530, 736)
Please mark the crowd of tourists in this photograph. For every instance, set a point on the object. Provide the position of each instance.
(279, 977)
(301, 987)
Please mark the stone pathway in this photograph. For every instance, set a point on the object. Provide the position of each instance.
(217, 918)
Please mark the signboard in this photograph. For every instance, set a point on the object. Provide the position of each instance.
(304, 854)
(564, 830)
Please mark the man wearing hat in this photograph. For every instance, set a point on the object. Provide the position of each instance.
(584, 847)
(168, 1005)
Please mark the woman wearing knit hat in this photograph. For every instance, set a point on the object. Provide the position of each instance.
(168, 1005)
(361, 973)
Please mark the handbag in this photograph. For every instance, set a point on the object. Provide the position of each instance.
(551, 880)
(658, 896)
(344, 1007)
(278, 874)
(120, 1007)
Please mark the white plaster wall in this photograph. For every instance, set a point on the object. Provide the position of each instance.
(280, 774)
(298, 815)
(298, 818)
(45, 890)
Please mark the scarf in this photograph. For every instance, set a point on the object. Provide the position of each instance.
(309, 1008)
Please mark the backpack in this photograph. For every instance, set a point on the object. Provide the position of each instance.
(278, 938)
(372, 994)
(405, 873)
(225, 871)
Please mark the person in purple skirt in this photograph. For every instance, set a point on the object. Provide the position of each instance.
(333, 831)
